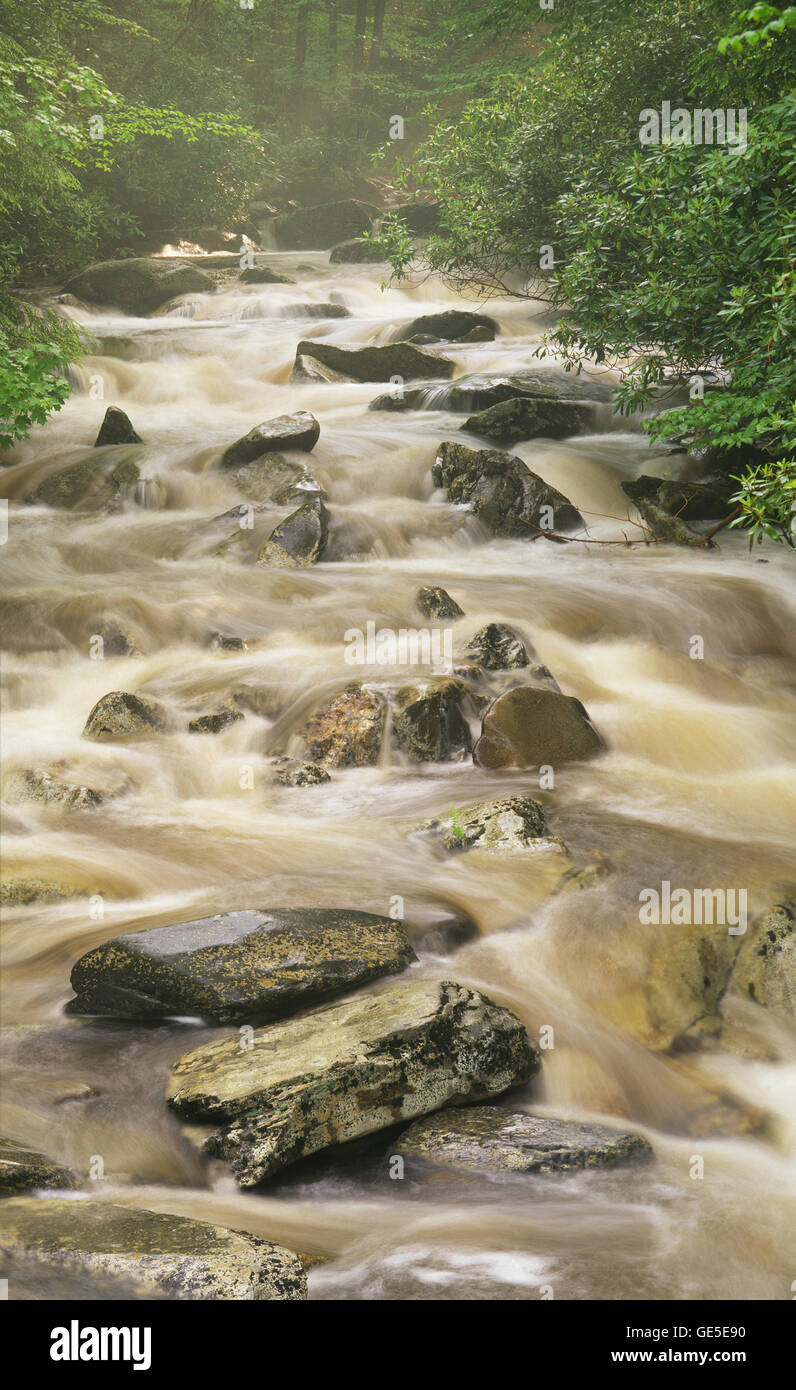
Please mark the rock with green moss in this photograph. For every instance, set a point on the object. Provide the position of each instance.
(358, 251)
(349, 1070)
(347, 730)
(19, 892)
(263, 275)
(486, 1139)
(153, 1253)
(140, 284)
(94, 484)
(25, 1170)
(509, 824)
(119, 714)
(248, 966)
(534, 727)
(429, 724)
(300, 540)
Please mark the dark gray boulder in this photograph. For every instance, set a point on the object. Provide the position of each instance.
(481, 390)
(140, 284)
(501, 491)
(24, 1170)
(300, 430)
(421, 219)
(248, 966)
(428, 720)
(529, 418)
(497, 647)
(487, 1139)
(452, 325)
(375, 363)
(116, 428)
(300, 539)
(532, 726)
(326, 224)
(435, 602)
(356, 252)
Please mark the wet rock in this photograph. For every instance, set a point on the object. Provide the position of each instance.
(93, 484)
(264, 701)
(300, 539)
(123, 715)
(688, 501)
(38, 785)
(480, 390)
(447, 933)
(291, 772)
(138, 285)
(765, 967)
(487, 1139)
(317, 228)
(264, 275)
(420, 219)
(689, 969)
(273, 478)
(19, 892)
(24, 1170)
(502, 492)
(297, 431)
(529, 418)
(347, 731)
(356, 252)
(116, 428)
(479, 334)
(437, 603)
(215, 722)
(376, 363)
(497, 647)
(321, 310)
(451, 326)
(152, 1253)
(248, 966)
(531, 727)
(349, 1070)
(510, 824)
(115, 642)
(221, 642)
(308, 369)
(428, 722)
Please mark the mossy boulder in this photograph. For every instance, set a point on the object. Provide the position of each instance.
(264, 275)
(25, 1170)
(96, 483)
(324, 225)
(501, 491)
(299, 540)
(347, 730)
(405, 360)
(435, 602)
(140, 284)
(121, 714)
(348, 1070)
(153, 1253)
(19, 892)
(116, 428)
(531, 726)
(486, 1139)
(300, 430)
(249, 966)
(428, 720)
(356, 252)
(497, 647)
(215, 722)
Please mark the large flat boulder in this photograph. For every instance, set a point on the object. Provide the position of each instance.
(531, 727)
(324, 225)
(509, 824)
(405, 360)
(529, 417)
(348, 1070)
(25, 1170)
(480, 390)
(138, 285)
(297, 431)
(249, 966)
(486, 1139)
(502, 491)
(149, 1253)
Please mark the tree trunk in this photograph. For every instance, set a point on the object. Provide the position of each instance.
(378, 33)
(360, 26)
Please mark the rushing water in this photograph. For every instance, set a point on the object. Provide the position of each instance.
(697, 787)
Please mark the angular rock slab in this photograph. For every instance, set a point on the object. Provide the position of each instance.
(154, 1252)
(23, 1170)
(377, 363)
(348, 1070)
(528, 727)
(486, 1139)
(300, 430)
(250, 966)
(300, 540)
(502, 491)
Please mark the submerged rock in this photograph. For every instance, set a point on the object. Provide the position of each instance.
(428, 722)
(349, 1070)
(347, 731)
(509, 824)
(248, 966)
(765, 967)
(481, 390)
(437, 603)
(300, 539)
(122, 715)
(297, 431)
(273, 478)
(502, 492)
(34, 784)
(116, 428)
(140, 284)
(214, 723)
(497, 647)
(485, 1138)
(291, 772)
(688, 501)
(317, 228)
(376, 363)
(452, 325)
(528, 418)
(24, 1170)
(153, 1253)
(264, 275)
(19, 892)
(531, 726)
(96, 483)
(356, 252)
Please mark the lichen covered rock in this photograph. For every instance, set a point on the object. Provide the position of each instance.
(25, 1170)
(348, 1070)
(486, 1139)
(428, 720)
(35, 784)
(497, 647)
(435, 602)
(347, 730)
(123, 715)
(509, 824)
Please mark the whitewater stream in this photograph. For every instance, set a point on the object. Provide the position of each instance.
(696, 787)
